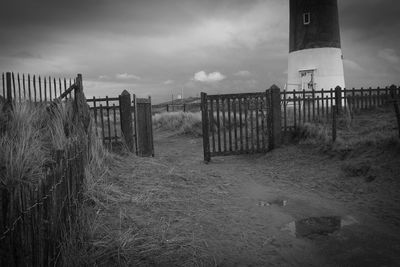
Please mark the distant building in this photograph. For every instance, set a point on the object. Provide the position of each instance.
(315, 55)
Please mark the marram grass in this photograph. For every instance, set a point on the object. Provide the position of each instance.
(23, 148)
(30, 132)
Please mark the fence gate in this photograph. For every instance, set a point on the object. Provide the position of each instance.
(106, 113)
(121, 118)
(235, 124)
(143, 127)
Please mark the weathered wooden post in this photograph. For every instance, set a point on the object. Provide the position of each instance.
(150, 116)
(395, 100)
(133, 110)
(126, 119)
(144, 127)
(8, 97)
(338, 99)
(9, 87)
(274, 117)
(205, 126)
(81, 108)
(334, 123)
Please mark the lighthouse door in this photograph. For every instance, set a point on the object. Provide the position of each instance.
(307, 80)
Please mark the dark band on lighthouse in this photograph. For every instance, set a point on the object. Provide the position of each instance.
(315, 56)
(313, 24)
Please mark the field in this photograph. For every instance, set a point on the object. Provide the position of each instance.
(247, 210)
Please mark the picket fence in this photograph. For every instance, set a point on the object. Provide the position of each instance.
(35, 217)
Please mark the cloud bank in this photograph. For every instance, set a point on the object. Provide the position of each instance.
(202, 76)
(126, 76)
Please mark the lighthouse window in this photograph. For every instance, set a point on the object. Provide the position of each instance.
(306, 18)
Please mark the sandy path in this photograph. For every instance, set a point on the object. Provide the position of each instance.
(239, 228)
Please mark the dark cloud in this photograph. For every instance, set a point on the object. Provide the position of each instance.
(372, 21)
(25, 55)
(369, 16)
(161, 40)
(370, 41)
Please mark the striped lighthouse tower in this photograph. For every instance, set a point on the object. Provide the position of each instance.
(315, 55)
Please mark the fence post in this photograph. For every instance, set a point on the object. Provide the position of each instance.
(8, 96)
(274, 114)
(126, 119)
(338, 99)
(143, 126)
(81, 107)
(204, 120)
(393, 94)
(134, 122)
(151, 127)
(8, 87)
(334, 124)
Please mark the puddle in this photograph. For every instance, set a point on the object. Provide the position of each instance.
(318, 226)
(278, 202)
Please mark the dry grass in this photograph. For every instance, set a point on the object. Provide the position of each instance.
(181, 122)
(30, 133)
(375, 128)
(139, 212)
(136, 212)
(60, 126)
(23, 148)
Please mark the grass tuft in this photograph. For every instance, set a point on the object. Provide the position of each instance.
(185, 123)
(369, 129)
(23, 148)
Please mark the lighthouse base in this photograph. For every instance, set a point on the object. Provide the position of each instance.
(315, 69)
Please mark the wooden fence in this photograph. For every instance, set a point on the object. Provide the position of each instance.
(143, 127)
(35, 217)
(34, 88)
(299, 107)
(238, 123)
(106, 115)
(124, 119)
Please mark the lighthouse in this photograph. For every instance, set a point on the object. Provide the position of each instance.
(315, 54)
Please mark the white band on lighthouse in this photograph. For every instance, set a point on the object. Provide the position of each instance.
(315, 69)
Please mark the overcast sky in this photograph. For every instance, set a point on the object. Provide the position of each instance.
(159, 47)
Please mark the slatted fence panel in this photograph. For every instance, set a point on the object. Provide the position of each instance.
(106, 114)
(235, 123)
(35, 217)
(299, 107)
(36, 88)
